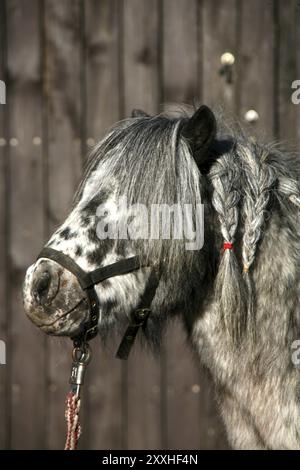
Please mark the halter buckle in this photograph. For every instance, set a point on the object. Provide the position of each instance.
(140, 315)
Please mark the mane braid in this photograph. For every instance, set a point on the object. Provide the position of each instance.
(258, 178)
(229, 286)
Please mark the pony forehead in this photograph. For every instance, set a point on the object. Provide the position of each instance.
(142, 158)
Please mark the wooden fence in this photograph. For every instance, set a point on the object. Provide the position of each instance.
(72, 68)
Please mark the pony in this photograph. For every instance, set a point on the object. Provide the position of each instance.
(237, 295)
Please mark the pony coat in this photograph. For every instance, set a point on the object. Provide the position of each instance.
(240, 306)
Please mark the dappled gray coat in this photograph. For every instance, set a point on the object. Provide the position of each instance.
(238, 296)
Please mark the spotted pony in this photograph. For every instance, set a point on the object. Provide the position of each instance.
(238, 296)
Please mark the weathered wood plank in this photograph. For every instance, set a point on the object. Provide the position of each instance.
(26, 219)
(4, 233)
(255, 63)
(288, 71)
(180, 51)
(213, 434)
(103, 109)
(183, 404)
(102, 66)
(140, 55)
(141, 90)
(219, 33)
(62, 101)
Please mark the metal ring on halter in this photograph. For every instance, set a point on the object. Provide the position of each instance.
(82, 355)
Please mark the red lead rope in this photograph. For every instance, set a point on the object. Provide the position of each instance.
(72, 418)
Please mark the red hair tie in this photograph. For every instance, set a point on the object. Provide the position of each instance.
(227, 246)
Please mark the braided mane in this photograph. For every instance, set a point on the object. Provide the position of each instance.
(244, 181)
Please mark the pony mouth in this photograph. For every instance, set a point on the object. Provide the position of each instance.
(65, 321)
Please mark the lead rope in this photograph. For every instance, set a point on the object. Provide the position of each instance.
(81, 357)
(73, 424)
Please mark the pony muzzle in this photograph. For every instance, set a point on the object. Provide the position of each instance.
(51, 295)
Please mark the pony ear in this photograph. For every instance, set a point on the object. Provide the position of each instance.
(139, 113)
(200, 131)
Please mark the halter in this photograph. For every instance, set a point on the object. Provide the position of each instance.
(87, 282)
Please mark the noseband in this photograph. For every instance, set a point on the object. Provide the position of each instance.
(88, 281)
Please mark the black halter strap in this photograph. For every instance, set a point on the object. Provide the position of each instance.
(88, 281)
(139, 317)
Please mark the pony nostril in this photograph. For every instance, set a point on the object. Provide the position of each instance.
(42, 285)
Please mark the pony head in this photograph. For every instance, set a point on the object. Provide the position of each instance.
(141, 195)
